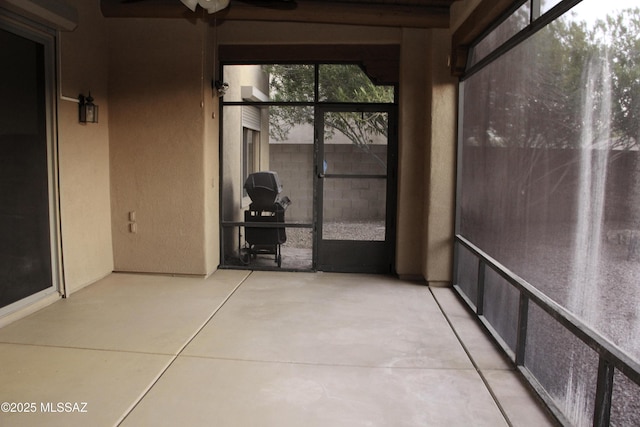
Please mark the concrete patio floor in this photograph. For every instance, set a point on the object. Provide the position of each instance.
(246, 348)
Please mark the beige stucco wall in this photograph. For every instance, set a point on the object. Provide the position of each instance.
(413, 98)
(426, 178)
(83, 150)
(160, 97)
(211, 160)
(440, 155)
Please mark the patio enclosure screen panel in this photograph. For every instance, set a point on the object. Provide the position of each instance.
(549, 186)
(269, 115)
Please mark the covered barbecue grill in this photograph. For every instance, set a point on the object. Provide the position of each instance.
(267, 206)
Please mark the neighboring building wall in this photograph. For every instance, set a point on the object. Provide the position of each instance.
(234, 203)
(233, 135)
(83, 152)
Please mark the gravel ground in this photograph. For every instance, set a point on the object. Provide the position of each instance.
(353, 230)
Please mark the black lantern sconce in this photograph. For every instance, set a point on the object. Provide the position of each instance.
(88, 112)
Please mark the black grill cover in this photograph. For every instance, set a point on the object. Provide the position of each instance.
(264, 188)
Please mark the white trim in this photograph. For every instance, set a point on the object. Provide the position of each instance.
(27, 306)
(253, 94)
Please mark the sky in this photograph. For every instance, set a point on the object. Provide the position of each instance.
(592, 10)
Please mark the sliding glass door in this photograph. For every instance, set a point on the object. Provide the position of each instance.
(26, 167)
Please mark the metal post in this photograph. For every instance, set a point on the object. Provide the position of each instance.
(604, 391)
(523, 322)
(480, 297)
(456, 261)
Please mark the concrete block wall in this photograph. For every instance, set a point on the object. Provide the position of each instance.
(294, 162)
(344, 199)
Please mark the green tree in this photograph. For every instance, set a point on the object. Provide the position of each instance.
(541, 105)
(554, 95)
(619, 35)
(337, 83)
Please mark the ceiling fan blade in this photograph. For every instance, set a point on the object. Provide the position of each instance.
(191, 4)
(213, 6)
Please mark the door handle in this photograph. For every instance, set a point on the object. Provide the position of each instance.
(320, 175)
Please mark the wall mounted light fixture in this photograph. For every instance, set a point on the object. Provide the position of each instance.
(221, 87)
(88, 111)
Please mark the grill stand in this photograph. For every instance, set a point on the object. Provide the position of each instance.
(263, 240)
